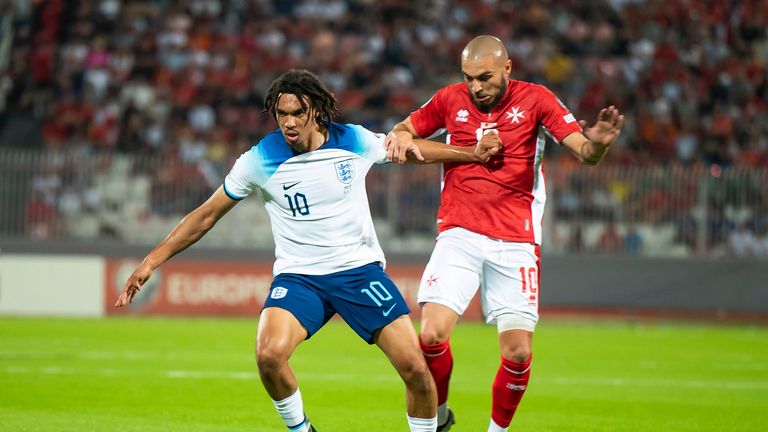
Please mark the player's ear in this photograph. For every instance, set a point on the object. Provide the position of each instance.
(508, 68)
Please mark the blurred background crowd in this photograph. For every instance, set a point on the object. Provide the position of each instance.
(176, 87)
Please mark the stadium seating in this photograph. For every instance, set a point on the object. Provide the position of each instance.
(153, 84)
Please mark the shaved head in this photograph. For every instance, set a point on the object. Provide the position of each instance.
(486, 67)
(485, 46)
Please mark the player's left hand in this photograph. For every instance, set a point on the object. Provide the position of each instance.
(133, 285)
(606, 129)
(398, 145)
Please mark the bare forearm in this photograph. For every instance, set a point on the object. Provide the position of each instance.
(403, 127)
(435, 152)
(590, 152)
(186, 233)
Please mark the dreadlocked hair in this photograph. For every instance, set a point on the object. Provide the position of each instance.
(303, 83)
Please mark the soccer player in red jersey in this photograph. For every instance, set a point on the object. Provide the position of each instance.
(489, 221)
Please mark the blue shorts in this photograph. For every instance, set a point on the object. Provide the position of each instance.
(365, 297)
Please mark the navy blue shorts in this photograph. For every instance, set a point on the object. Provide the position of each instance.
(365, 297)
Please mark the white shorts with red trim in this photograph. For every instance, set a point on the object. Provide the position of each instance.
(507, 274)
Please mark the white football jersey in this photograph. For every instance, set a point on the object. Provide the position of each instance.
(316, 201)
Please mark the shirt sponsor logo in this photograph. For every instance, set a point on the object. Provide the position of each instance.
(515, 115)
(345, 171)
(278, 293)
(287, 186)
(462, 116)
(569, 118)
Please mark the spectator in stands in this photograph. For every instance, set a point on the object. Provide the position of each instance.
(691, 77)
(742, 241)
(695, 64)
(610, 240)
(633, 241)
(40, 217)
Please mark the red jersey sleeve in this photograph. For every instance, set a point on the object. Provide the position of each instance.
(555, 116)
(431, 116)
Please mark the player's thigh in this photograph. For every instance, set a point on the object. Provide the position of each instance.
(452, 275)
(510, 286)
(297, 295)
(400, 344)
(278, 334)
(367, 299)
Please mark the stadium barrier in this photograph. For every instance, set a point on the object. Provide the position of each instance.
(222, 288)
(60, 285)
(64, 285)
(67, 285)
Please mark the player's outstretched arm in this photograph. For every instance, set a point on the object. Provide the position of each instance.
(435, 152)
(404, 145)
(191, 229)
(591, 146)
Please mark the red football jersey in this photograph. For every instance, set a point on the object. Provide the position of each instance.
(503, 199)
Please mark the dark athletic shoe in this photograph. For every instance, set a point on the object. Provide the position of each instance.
(445, 427)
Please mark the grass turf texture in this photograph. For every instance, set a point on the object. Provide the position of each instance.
(199, 375)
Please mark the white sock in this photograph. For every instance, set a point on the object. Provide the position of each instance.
(493, 427)
(422, 424)
(442, 413)
(291, 410)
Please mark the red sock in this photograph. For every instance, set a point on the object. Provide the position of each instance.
(440, 362)
(508, 388)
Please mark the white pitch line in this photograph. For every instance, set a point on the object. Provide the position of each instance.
(246, 375)
(209, 374)
(633, 382)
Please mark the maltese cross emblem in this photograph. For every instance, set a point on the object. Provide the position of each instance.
(515, 115)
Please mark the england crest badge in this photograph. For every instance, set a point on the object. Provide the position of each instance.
(345, 171)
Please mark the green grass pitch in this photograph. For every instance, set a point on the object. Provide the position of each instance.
(199, 375)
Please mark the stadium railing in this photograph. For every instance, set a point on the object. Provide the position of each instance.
(663, 211)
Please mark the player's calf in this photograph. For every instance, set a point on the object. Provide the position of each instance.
(274, 371)
(509, 385)
(416, 376)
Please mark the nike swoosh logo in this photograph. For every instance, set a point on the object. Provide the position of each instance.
(386, 313)
(286, 187)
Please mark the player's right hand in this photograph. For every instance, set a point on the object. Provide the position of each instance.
(398, 144)
(133, 284)
(488, 146)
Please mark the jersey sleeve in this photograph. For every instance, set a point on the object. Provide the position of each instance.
(431, 116)
(370, 145)
(555, 116)
(241, 180)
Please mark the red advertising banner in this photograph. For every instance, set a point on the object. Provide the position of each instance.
(214, 288)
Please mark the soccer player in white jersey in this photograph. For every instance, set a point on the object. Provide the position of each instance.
(311, 175)
(490, 215)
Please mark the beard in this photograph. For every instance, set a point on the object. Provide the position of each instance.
(492, 102)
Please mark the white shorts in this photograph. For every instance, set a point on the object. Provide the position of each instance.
(507, 274)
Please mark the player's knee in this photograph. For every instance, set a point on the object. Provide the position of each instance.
(270, 357)
(433, 335)
(516, 353)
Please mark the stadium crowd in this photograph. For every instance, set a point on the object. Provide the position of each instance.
(183, 81)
